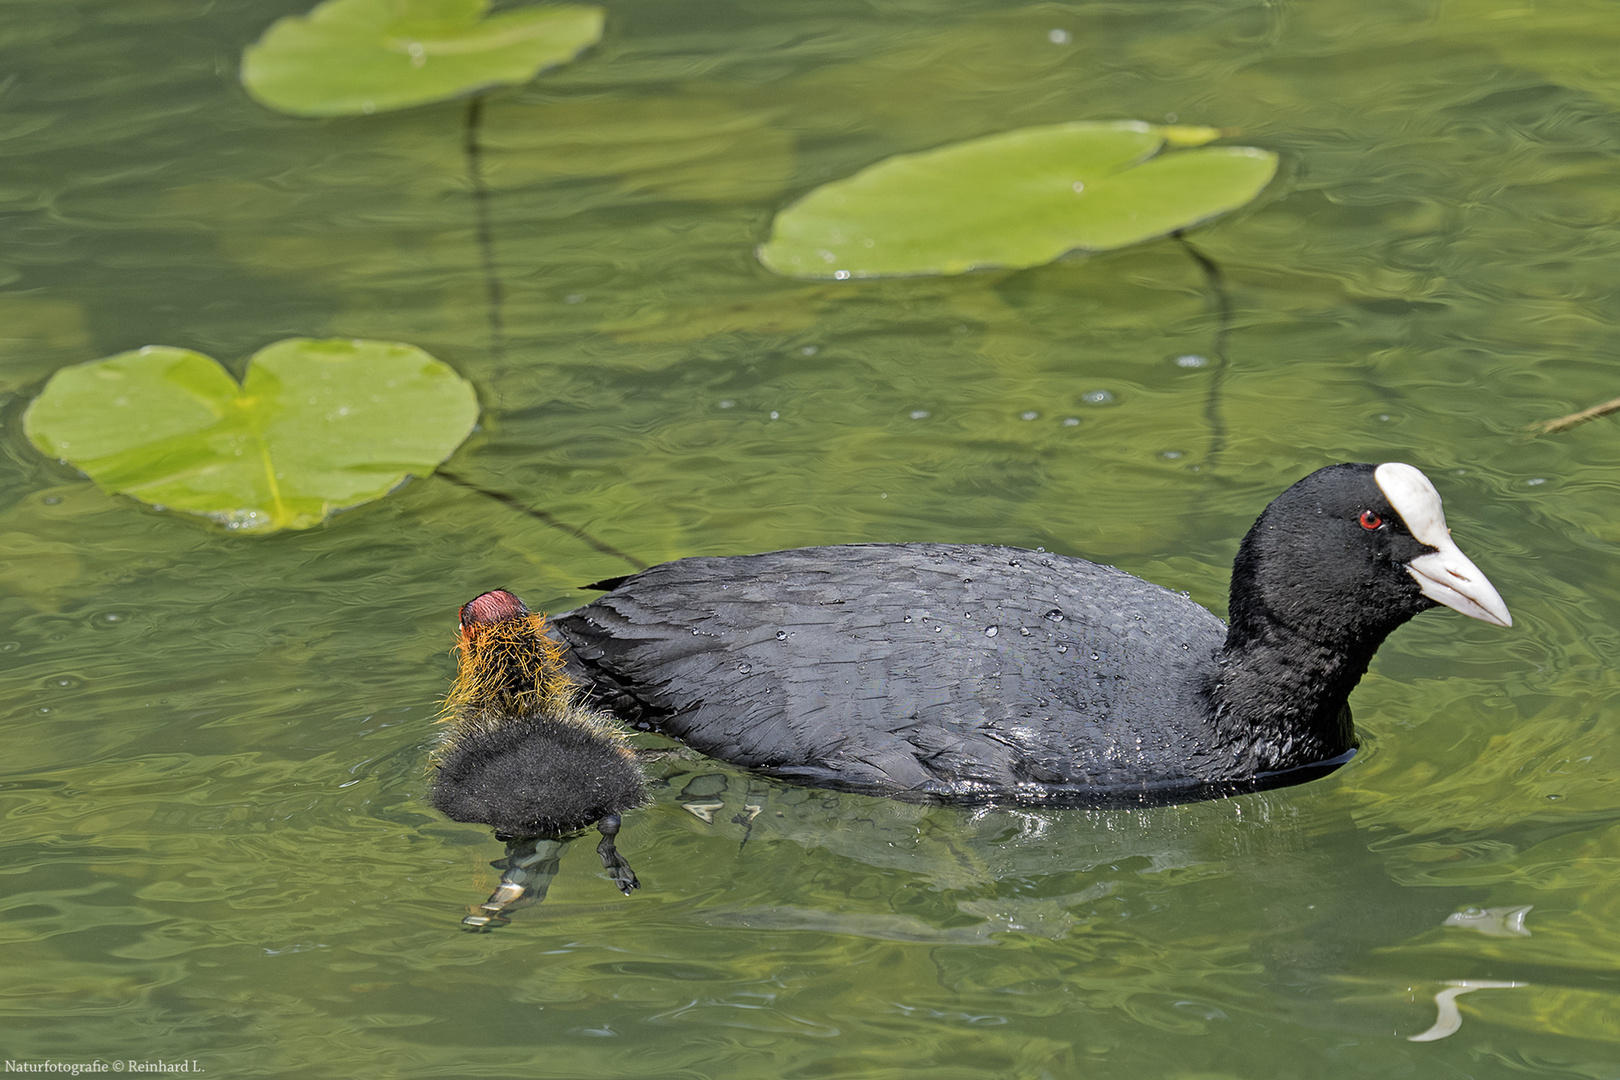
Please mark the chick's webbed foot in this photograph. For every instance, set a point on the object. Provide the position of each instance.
(614, 863)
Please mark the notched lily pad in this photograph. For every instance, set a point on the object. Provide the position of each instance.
(314, 427)
(356, 57)
(1017, 199)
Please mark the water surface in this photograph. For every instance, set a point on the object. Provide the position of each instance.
(216, 847)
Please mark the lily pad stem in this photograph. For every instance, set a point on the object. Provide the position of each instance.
(555, 522)
(486, 236)
(1222, 302)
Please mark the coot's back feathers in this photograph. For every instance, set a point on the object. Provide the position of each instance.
(940, 669)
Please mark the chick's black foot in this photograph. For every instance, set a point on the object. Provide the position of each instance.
(614, 863)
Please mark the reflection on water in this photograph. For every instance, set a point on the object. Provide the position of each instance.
(1449, 1020)
(1493, 921)
(216, 844)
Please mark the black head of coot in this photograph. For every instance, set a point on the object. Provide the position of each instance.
(1331, 558)
(1333, 566)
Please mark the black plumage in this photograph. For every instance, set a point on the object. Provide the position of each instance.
(970, 672)
(523, 753)
(536, 777)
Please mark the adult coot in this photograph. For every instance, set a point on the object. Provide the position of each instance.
(969, 672)
(522, 753)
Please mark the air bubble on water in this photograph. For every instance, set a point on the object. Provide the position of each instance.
(991, 631)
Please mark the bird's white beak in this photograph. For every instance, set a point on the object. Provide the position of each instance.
(1445, 575)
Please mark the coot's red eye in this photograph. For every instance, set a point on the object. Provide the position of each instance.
(1370, 520)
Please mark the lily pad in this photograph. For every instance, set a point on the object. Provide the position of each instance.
(356, 57)
(314, 427)
(1017, 199)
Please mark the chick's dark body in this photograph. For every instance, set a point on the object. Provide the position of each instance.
(533, 776)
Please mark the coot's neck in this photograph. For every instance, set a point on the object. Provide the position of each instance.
(1294, 650)
(1279, 702)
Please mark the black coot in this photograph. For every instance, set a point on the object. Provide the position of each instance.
(965, 672)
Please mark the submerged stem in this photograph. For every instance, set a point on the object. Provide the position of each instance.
(555, 522)
(1222, 302)
(494, 295)
(486, 237)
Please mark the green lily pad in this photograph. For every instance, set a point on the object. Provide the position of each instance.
(314, 427)
(356, 57)
(1017, 199)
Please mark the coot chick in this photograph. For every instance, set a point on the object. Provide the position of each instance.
(523, 753)
(971, 673)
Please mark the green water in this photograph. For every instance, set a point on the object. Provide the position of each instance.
(215, 844)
